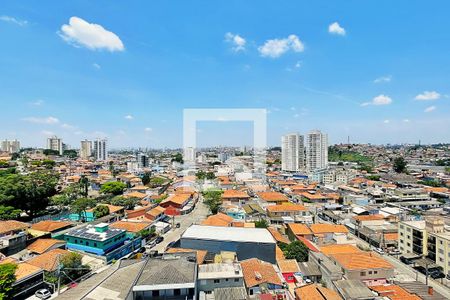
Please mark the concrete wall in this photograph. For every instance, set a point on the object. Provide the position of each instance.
(209, 284)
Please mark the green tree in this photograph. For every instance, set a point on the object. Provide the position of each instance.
(72, 265)
(210, 175)
(296, 250)
(261, 223)
(51, 152)
(200, 175)
(101, 211)
(178, 158)
(9, 213)
(80, 206)
(145, 179)
(84, 185)
(213, 198)
(7, 279)
(144, 233)
(113, 187)
(157, 181)
(48, 163)
(127, 202)
(70, 153)
(400, 165)
(4, 164)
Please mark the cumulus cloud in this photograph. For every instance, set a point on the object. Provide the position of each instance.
(381, 79)
(335, 28)
(47, 120)
(129, 117)
(406, 120)
(148, 129)
(13, 20)
(386, 121)
(428, 95)
(237, 42)
(38, 102)
(379, 100)
(430, 109)
(276, 47)
(92, 36)
(97, 66)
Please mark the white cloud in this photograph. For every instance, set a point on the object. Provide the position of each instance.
(381, 79)
(48, 133)
(92, 36)
(298, 64)
(48, 120)
(335, 28)
(277, 47)
(238, 42)
(386, 121)
(97, 66)
(430, 109)
(13, 20)
(68, 126)
(428, 95)
(379, 100)
(406, 120)
(148, 129)
(129, 117)
(38, 102)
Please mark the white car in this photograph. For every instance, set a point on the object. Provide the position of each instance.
(379, 251)
(43, 294)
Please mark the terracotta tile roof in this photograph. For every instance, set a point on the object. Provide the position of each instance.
(279, 253)
(23, 269)
(288, 266)
(42, 245)
(391, 236)
(234, 194)
(436, 189)
(316, 196)
(273, 196)
(287, 207)
(201, 254)
(362, 260)
(278, 236)
(394, 292)
(308, 244)
(299, 229)
(112, 208)
(139, 187)
(49, 260)
(133, 227)
(315, 292)
(369, 218)
(328, 228)
(138, 195)
(257, 272)
(154, 212)
(338, 249)
(50, 225)
(219, 219)
(177, 198)
(11, 225)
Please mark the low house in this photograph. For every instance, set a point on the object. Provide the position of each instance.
(171, 276)
(13, 236)
(288, 213)
(219, 219)
(177, 200)
(365, 266)
(273, 197)
(222, 275)
(29, 278)
(98, 239)
(260, 277)
(289, 268)
(48, 261)
(132, 228)
(200, 254)
(296, 230)
(235, 197)
(41, 246)
(51, 226)
(327, 232)
(89, 216)
(315, 292)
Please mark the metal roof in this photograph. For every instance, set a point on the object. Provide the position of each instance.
(235, 234)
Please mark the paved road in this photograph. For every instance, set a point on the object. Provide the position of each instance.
(195, 217)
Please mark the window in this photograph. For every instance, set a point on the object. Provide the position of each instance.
(375, 272)
(370, 272)
(226, 279)
(363, 273)
(216, 280)
(401, 233)
(155, 293)
(237, 279)
(176, 292)
(401, 226)
(95, 244)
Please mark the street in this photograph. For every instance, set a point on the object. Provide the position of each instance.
(195, 217)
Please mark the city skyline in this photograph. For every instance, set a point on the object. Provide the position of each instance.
(317, 65)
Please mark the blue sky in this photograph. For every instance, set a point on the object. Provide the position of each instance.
(378, 71)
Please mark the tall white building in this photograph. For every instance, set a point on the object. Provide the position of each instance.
(86, 149)
(10, 146)
(55, 143)
(142, 160)
(292, 152)
(189, 155)
(316, 150)
(100, 149)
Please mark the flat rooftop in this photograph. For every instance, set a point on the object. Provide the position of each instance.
(89, 233)
(233, 234)
(212, 271)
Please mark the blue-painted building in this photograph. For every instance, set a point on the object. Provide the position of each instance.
(97, 239)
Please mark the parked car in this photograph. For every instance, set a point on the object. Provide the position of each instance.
(159, 239)
(178, 225)
(405, 260)
(43, 294)
(379, 251)
(436, 274)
